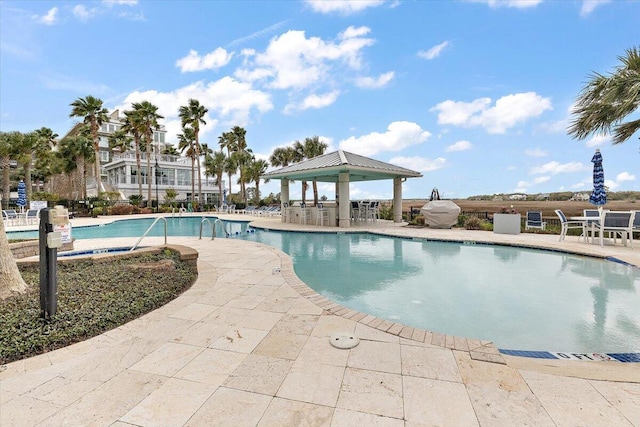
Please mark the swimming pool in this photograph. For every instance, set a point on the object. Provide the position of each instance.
(523, 299)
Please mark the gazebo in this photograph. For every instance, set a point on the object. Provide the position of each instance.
(342, 167)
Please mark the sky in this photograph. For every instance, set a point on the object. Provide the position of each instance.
(476, 95)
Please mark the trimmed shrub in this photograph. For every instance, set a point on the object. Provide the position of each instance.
(121, 209)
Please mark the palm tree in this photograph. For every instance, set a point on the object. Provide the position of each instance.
(193, 115)
(120, 140)
(25, 156)
(214, 166)
(606, 100)
(148, 115)
(170, 150)
(186, 142)
(92, 112)
(227, 140)
(74, 152)
(230, 167)
(243, 160)
(310, 148)
(283, 156)
(255, 170)
(238, 135)
(206, 153)
(8, 143)
(46, 143)
(132, 124)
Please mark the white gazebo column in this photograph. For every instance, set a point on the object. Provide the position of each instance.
(344, 206)
(397, 199)
(284, 196)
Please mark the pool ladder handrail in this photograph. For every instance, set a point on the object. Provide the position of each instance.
(213, 227)
(149, 229)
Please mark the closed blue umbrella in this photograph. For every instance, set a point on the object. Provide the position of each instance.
(598, 196)
(22, 195)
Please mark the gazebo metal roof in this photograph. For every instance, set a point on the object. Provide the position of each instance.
(327, 167)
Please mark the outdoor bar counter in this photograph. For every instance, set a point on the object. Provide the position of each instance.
(294, 215)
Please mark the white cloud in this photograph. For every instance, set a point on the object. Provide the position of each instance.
(293, 61)
(399, 135)
(555, 168)
(535, 152)
(459, 146)
(625, 176)
(371, 83)
(589, 6)
(419, 164)
(434, 52)
(82, 13)
(228, 100)
(120, 2)
(598, 140)
(345, 7)
(519, 4)
(49, 19)
(558, 126)
(314, 101)
(524, 186)
(211, 61)
(507, 112)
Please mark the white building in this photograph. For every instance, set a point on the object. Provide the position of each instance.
(172, 172)
(119, 171)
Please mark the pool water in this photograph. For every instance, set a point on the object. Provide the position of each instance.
(524, 299)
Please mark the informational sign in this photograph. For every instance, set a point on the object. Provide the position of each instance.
(38, 204)
(65, 232)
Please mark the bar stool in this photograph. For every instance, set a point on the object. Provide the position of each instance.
(286, 212)
(304, 213)
(322, 214)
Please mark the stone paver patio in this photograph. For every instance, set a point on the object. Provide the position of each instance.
(248, 345)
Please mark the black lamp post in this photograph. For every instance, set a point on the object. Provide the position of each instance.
(157, 199)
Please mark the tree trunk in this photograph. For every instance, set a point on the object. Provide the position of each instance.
(315, 193)
(199, 183)
(193, 180)
(10, 279)
(6, 187)
(148, 176)
(138, 163)
(96, 149)
(27, 180)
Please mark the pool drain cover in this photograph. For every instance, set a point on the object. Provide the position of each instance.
(344, 340)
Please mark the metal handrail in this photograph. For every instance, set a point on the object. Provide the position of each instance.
(213, 227)
(149, 229)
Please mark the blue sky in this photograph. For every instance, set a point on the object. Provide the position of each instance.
(475, 95)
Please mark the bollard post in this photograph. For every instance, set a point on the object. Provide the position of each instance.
(49, 242)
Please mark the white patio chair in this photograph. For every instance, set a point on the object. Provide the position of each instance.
(568, 225)
(534, 220)
(615, 223)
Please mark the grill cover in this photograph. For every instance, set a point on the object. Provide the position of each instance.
(440, 213)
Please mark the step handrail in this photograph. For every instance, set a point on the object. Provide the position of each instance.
(149, 229)
(213, 227)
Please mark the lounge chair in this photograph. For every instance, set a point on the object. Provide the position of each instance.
(567, 225)
(534, 220)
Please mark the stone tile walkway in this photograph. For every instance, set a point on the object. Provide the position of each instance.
(248, 345)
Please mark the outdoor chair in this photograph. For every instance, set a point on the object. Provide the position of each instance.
(567, 225)
(304, 213)
(616, 224)
(322, 214)
(287, 211)
(534, 220)
(33, 216)
(355, 211)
